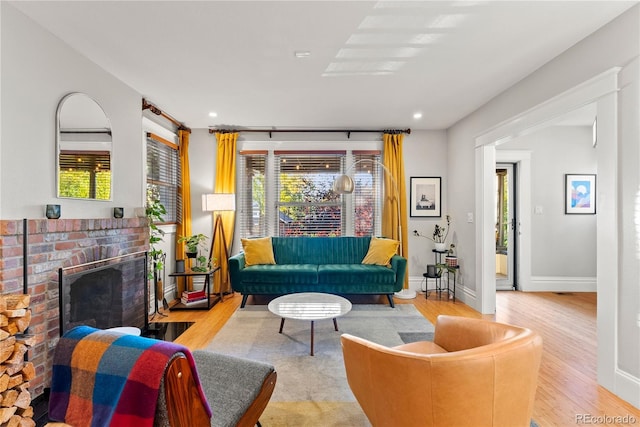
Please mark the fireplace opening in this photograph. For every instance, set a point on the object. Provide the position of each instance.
(105, 294)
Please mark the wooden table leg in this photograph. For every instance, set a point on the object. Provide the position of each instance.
(312, 322)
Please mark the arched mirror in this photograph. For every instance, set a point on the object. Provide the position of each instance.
(84, 149)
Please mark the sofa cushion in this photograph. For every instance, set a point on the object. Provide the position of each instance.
(283, 274)
(258, 251)
(380, 251)
(355, 273)
(320, 250)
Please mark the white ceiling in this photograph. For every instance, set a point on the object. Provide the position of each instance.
(372, 64)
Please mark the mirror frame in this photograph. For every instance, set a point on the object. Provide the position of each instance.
(88, 129)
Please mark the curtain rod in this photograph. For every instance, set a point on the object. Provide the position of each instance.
(347, 131)
(158, 112)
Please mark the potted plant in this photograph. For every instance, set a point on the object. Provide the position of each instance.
(451, 259)
(439, 236)
(193, 244)
(155, 211)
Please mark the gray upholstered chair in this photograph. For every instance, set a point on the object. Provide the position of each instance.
(236, 390)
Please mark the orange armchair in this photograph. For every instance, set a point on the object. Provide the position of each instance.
(474, 373)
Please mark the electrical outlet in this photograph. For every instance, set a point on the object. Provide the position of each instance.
(469, 216)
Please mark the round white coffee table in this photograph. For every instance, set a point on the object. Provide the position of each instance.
(310, 306)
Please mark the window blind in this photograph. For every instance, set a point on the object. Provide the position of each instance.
(367, 194)
(251, 209)
(164, 175)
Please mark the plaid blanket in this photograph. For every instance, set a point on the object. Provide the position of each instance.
(102, 378)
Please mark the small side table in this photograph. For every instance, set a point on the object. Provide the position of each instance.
(206, 303)
(440, 269)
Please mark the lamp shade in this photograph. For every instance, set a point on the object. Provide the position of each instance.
(343, 185)
(219, 202)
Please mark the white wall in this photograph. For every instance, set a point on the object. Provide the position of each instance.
(425, 155)
(561, 245)
(37, 71)
(615, 45)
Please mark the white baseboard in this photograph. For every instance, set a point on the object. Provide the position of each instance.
(560, 284)
(627, 387)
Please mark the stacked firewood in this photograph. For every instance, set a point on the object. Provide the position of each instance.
(15, 373)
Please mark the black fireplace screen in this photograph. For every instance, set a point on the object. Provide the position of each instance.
(105, 294)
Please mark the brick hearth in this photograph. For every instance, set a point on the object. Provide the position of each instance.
(53, 244)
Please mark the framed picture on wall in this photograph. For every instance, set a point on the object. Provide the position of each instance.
(425, 197)
(580, 194)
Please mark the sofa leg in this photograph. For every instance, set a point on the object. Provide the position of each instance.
(244, 300)
(390, 298)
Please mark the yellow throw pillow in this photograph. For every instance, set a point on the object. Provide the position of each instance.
(381, 251)
(258, 251)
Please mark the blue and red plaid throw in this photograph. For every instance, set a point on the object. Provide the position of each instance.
(104, 378)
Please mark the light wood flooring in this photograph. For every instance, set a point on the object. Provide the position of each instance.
(567, 387)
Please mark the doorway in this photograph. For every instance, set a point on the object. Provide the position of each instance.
(601, 90)
(506, 227)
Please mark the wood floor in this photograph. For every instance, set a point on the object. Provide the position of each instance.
(567, 387)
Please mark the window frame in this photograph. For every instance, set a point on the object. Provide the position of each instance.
(346, 204)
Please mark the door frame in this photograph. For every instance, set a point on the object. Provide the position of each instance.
(523, 213)
(601, 90)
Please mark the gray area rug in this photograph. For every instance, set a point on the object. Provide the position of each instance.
(252, 332)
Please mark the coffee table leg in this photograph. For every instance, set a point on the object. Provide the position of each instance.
(281, 325)
(312, 322)
(335, 323)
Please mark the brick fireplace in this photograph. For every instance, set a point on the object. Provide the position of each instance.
(52, 244)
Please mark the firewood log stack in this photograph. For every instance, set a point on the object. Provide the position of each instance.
(15, 373)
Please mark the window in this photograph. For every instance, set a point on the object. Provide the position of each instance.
(305, 201)
(251, 197)
(290, 194)
(164, 175)
(367, 198)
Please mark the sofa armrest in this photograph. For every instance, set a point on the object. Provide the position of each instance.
(236, 265)
(399, 265)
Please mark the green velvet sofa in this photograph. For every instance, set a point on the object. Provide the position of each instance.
(317, 264)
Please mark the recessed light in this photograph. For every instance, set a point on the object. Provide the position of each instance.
(213, 114)
(417, 116)
(302, 53)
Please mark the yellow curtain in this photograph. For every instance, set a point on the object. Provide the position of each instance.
(225, 183)
(393, 160)
(183, 227)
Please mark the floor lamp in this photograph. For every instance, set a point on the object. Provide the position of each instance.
(344, 185)
(219, 202)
